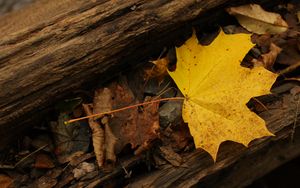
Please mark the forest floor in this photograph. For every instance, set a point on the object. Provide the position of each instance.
(117, 147)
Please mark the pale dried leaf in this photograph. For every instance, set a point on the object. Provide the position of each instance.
(255, 19)
(102, 100)
(110, 143)
(83, 169)
(97, 136)
(103, 103)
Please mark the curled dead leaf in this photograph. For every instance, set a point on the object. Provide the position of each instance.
(110, 141)
(103, 103)
(158, 70)
(267, 60)
(97, 136)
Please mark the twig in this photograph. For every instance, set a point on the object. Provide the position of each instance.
(29, 155)
(290, 68)
(261, 104)
(295, 121)
(124, 108)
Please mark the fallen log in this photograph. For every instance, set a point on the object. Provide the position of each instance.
(53, 47)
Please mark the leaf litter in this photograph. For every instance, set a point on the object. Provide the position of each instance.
(139, 134)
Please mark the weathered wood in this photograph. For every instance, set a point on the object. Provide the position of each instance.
(236, 165)
(65, 44)
(55, 46)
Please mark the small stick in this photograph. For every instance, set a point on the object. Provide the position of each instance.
(30, 154)
(258, 101)
(124, 108)
(295, 121)
(290, 68)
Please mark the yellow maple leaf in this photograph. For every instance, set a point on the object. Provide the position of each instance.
(217, 88)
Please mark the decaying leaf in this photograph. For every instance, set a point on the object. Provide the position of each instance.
(267, 60)
(158, 70)
(255, 19)
(147, 127)
(217, 88)
(70, 138)
(5, 181)
(43, 161)
(97, 136)
(178, 137)
(83, 169)
(103, 103)
(135, 126)
(290, 52)
(110, 141)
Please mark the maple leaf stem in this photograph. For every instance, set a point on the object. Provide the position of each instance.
(124, 108)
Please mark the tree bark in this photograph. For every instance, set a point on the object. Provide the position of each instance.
(53, 47)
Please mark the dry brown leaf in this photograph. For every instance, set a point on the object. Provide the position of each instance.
(255, 19)
(290, 54)
(97, 136)
(134, 126)
(177, 137)
(5, 181)
(110, 141)
(147, 127)
(267, 60)
(158, 70)
(43, 161)
(103, 103)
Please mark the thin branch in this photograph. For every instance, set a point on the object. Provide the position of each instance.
(124, 108)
